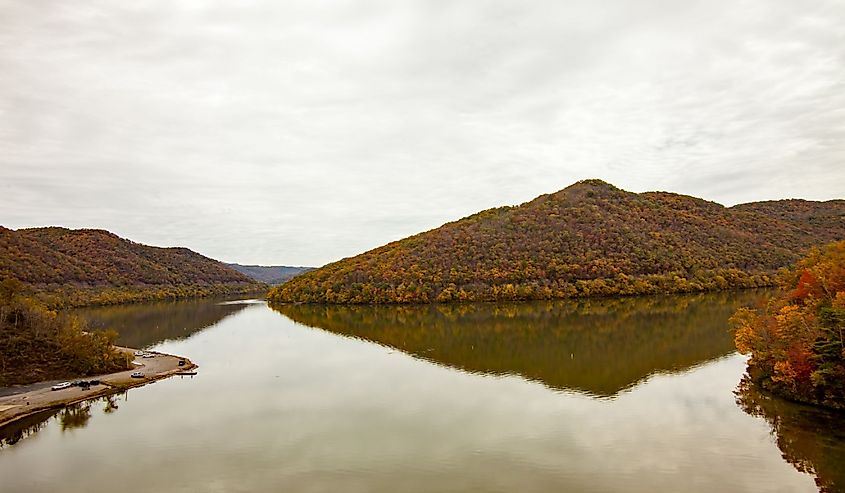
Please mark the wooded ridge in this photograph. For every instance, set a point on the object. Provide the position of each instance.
(589, 239)
(90, 266)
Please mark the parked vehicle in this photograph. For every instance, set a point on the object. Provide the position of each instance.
(60, 386)
(137, 374)
(181, 362)
(139, 353)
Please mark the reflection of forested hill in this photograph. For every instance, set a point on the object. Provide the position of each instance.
(146, 324)
(811, 439)
(599, 346)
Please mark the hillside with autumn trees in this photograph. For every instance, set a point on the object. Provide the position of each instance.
(90, 266)
(797, 343)
(589, 239)
(38, 344)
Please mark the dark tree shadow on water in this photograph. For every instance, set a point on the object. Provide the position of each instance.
(13, 433)
(811, 439)
(69, 418)
(75, 416)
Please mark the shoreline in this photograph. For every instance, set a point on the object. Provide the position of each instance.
(14, 407)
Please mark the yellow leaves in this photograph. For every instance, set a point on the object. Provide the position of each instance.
(818, 379)
(839, 301)
(746, 337)
(784, 373)
(789, 323)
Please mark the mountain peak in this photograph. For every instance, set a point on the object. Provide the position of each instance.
(587, 189)
(592, 183)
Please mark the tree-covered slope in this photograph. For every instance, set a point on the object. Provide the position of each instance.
(94, 266)
(588, 239)
(39, 344)
(822, 220)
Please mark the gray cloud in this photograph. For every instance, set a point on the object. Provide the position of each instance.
(303, 132)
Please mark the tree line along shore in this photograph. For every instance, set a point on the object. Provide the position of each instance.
(590, 239)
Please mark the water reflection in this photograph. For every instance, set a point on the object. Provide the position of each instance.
(811, 439)
(145, 324)
(75, 416)
(71, 417)
(13, 433)
(302, 409)
(599, 347)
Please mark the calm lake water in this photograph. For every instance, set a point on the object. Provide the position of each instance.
(637, 394)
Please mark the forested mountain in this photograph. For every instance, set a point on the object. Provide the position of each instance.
(90, 266)
(588, 239)
(270, 274)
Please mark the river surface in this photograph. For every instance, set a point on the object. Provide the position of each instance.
(634, 395)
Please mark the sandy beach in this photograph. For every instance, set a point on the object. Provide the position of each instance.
(18, 402)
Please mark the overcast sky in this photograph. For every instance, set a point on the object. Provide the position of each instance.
(301, 132)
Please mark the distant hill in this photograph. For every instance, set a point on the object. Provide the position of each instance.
(589, 239)
(270, 274)
(91, 266)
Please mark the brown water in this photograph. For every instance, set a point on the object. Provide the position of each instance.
(636, 394)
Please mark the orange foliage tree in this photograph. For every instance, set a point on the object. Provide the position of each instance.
(796, 344)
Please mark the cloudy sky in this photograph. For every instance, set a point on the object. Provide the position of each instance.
(300, 132)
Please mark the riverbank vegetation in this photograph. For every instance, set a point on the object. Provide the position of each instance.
(39, 344)
(590, 239)
(797, 342)
(59, 297)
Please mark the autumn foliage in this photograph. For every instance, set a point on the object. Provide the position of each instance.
(590, 239)
(797, 343)
(67, 267)
(40, 344)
